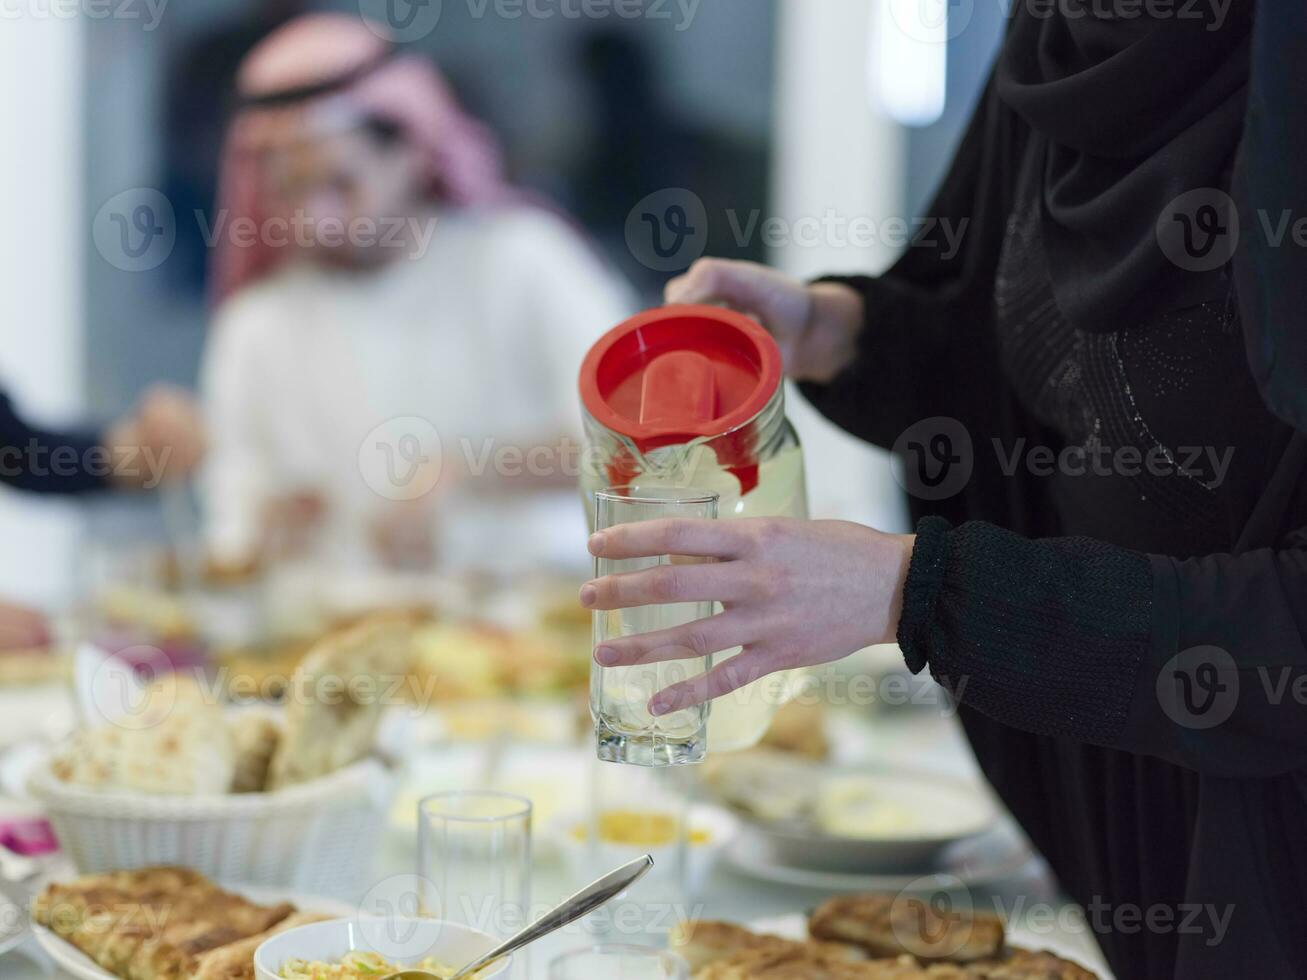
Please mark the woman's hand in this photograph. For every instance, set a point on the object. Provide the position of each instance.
(815, 326)
(22, 628)
(794, 594)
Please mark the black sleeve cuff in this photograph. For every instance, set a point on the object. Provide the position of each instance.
(921, 590)
(1044, 635)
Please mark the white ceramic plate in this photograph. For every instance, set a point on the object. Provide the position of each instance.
(1001, 853)
(77, 964)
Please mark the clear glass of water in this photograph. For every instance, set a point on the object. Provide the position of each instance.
(619, 963)
(474, 862)
(625, 731)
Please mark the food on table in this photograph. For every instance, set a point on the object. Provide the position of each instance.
(179, 741)
(639, 829)
(701, 943)
(26, 668)
(361, 966)
(337, 696)
(455, 662)
(887, 925)
(799, 728)
(721, 951)
(763, 783)
(256, 737)
(858, 807)
(159, 923)
(174, 742)
(460, 662)
(160, 614)
(235, 961)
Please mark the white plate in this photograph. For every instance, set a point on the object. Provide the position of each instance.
(940, 814)
(1002, 853)
(77, 964)
(1066, 946)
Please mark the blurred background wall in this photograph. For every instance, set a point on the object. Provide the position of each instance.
(788, 109)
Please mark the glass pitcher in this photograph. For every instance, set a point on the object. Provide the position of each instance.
(692, 397)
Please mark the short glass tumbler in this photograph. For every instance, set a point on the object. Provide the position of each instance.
(625, 731)
(619, 963)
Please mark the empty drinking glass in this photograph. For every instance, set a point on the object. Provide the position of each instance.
(474, 860)
(619, 963)
(625, 731)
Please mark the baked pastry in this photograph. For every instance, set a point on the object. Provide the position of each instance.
(703, 942)
(235, 961)
(337, 696)
(886, 925)
(255, 737)
(151, 924)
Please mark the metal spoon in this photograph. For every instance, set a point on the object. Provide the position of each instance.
(582, 903)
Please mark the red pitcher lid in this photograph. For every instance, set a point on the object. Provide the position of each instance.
(677, 373)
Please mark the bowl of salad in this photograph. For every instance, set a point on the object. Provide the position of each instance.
(373, 947)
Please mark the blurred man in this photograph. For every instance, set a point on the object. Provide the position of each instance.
(382, 289)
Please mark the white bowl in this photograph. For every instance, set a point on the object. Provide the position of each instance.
(403, 941)
(584, 864)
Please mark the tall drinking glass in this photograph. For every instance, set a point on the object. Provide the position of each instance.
(474, 862)
(625, 731)
(619, 963)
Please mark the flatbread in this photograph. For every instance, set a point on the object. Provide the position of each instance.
(888, 925)
(703, 942)
(235, 961)
(151, 924)
(255, 737)
(337, 696)
(175, 744)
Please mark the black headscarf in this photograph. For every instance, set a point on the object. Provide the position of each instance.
(1128, 113)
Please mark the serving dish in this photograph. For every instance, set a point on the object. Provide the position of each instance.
(398, 939)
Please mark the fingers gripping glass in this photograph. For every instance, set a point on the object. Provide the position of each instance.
(625, 731)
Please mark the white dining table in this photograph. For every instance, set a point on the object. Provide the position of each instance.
(900, 736)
